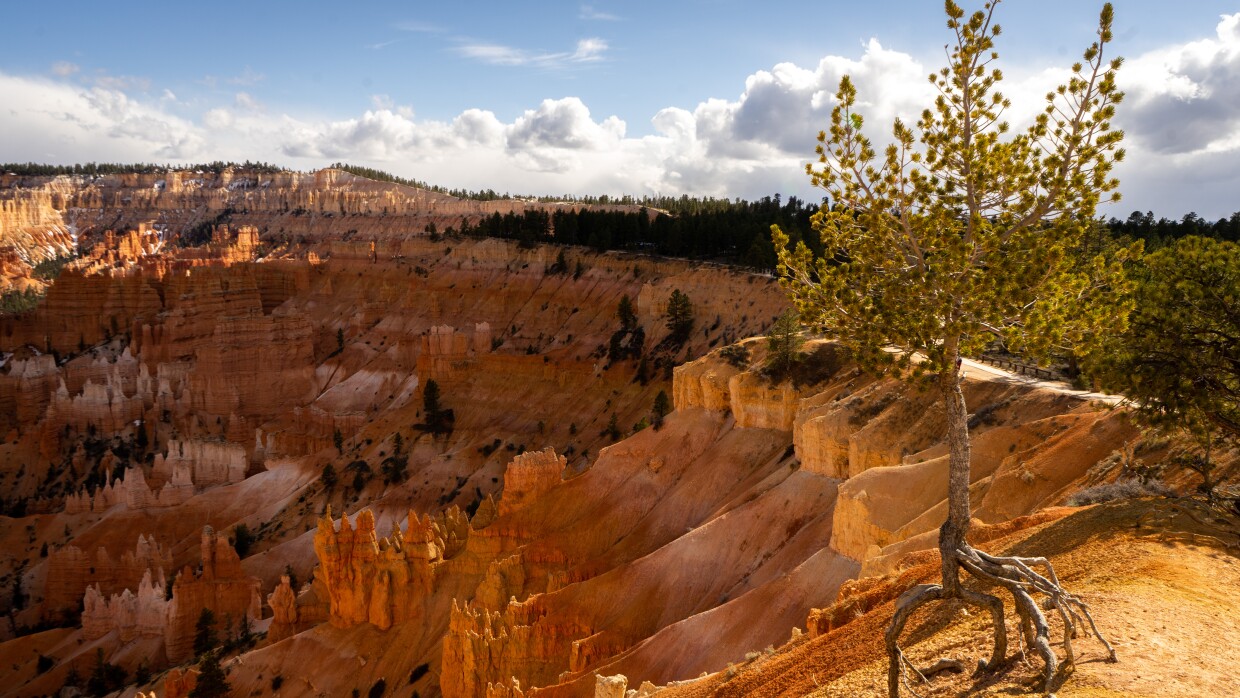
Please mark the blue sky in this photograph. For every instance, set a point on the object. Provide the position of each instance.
(715, 97)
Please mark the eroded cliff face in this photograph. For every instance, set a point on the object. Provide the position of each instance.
(751, 506)
(159, 389)
(42, 217)
(883, 439)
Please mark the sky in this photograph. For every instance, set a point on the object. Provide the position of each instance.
(699, 97)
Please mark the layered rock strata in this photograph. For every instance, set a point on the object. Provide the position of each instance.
(221, 586)
(70, 571)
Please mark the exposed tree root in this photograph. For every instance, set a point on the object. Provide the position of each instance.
(953, 665)
(1020, 577)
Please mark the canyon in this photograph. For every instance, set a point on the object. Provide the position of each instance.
(243, 426)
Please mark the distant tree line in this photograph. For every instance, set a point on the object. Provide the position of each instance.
(1165, 231)
(736, 232)
(381, 176)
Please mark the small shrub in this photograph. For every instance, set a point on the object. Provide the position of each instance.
(864, 413)
(737, 355)
(1120, 489)
(986, 415)
(43, 664)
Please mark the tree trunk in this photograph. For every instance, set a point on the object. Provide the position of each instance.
(956, 527)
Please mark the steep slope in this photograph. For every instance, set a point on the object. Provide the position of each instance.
(682, 549)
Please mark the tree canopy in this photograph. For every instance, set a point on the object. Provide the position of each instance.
(969, 237)
(1180, 359)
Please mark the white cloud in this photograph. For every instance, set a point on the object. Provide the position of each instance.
(64, 68)
(478, 127)
(1184, 99)
(378, 46)
(589, 50)
(218, 119)
(61, 122)
(377, 135)
(563, 123)
(244, 100)
(1182, 117)
(591, 13)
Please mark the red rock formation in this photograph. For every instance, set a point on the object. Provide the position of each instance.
(26, 389)
(681, 538)
(221, 586)
(70, 572)
(444, 350)
(37, 213)
(179, 684)
(210, 463)
(383, 580)
(130, 614)
(283, 603)
(528, 476)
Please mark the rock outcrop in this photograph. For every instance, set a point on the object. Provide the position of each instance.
(283, 603)
(386, 580)
(70, 572)
(528, 476)
(209, 463)
(144, 613)
(221, 586)
(187, 467)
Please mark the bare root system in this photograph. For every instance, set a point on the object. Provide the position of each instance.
(1024, 578)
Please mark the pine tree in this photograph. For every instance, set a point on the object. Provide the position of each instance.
(212, 683)
(438, 419)
(662, 408)
(628, 318)
(679, 316)
(938, 248)
(1180, 359)
(430, 399)
(205, 638)
(783, 344)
